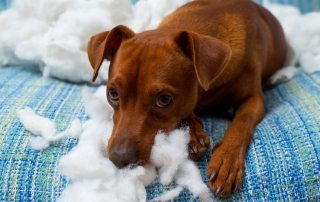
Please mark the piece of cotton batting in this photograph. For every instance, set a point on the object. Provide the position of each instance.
(147, 14)
(57, 40)
(96, 105)
(44, 129)
(122, 187)
(36, 124)
(38, 143)
(65, 43)
(189, 177)
(168, 153)
(17, 18)
(283, 74)
(310, 61)
(149, 176)
(88, 159)
(304, 41)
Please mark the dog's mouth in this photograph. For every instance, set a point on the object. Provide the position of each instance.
(133, 152)
(129, 155)
(182, 124)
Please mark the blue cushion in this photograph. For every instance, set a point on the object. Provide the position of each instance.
(304, 5)
(4, 4)
(283, 161)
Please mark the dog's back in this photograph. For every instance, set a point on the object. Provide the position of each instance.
(245, 26)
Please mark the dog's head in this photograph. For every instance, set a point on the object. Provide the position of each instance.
(155, 79)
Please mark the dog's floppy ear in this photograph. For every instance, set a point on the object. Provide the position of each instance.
(104, 45)
(210, 56)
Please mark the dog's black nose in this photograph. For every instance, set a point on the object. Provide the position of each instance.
(123, 154)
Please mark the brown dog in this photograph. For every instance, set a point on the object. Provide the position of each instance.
(208, 54)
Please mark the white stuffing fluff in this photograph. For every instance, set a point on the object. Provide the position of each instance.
(168, 153)
(169, 195)
(53, 34)
(44, 129)
(283, 74)
(38, 143)
(147, 14)
(303, 35)
(95, 178)
(31, 122)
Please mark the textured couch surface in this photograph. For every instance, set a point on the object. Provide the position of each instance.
(283, 161)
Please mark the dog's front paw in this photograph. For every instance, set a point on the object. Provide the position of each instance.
(225, 169)
(199, 143)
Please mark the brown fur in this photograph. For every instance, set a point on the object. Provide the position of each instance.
(208, 54)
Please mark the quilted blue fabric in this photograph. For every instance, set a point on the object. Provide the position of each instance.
(304, 5)
(283, 161)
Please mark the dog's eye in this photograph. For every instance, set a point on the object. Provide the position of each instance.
(113, 94)
(164, 100)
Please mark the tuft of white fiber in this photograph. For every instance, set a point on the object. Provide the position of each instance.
(44, 129)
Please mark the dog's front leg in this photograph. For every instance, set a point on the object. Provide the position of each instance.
(199, 140)
(226, 165)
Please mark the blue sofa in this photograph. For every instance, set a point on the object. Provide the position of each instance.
(283, 161)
